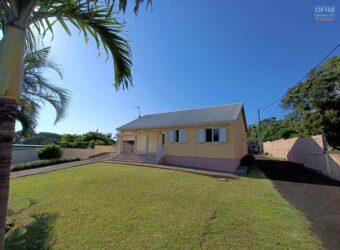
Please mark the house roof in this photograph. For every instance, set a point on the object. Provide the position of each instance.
(200, 116)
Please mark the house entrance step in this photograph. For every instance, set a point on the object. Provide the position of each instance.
(137, 158)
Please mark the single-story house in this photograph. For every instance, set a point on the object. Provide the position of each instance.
(212, 138)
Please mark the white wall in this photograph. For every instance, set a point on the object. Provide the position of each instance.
(24, 156)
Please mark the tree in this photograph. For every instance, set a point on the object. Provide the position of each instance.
(37, 90)
(41, 138)
(87, 140)
(93, 18)
(315, 103)
(271, 130)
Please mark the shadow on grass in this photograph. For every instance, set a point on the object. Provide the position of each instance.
(33, 236)
(11, 212)
(312, 193)
(293, 172)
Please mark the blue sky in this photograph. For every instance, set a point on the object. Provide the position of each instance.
(191, 53)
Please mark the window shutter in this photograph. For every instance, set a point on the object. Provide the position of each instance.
(223, 134)
(182, 136)
(200, 135)
(170, 136)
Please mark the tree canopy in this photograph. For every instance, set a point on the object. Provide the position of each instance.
(41, 138)
(271, 130)
(86, 140)
(313, 105)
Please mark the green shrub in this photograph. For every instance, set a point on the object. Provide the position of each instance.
(41, 163)
(50, 152)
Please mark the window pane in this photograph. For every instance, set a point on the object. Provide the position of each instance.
(208, 135)
(216, 134)
(176, 135)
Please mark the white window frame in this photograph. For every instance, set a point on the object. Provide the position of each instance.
(212, 135)
(220, 134)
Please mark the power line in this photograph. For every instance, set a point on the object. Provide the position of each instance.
(100, 100)
(317, 65)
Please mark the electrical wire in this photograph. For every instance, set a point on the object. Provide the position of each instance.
(99, 99)
(317, 65)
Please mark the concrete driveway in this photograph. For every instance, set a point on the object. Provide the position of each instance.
(315, 195)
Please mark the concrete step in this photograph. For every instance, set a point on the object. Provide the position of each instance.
(136, 158)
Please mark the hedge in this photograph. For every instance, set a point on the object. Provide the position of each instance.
(41, 163)
(49, 152)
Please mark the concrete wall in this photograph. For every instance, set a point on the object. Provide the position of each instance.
(333, 161)
(77, 152)
(105, 149)
(86, 153)
(310, 151)
(23, 156)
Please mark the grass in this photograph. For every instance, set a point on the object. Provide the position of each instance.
(42, 163)
(113, 206)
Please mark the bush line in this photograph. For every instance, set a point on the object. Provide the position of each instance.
(41, 163)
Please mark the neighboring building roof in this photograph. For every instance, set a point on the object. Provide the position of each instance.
(200, 116)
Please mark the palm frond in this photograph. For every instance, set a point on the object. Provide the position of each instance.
(37, 90)
(106, 32)
(58, 97)
(94, 18)
(28, 112)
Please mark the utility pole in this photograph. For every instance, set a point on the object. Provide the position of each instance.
(260, 135)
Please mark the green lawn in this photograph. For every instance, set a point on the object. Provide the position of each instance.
(107, 206)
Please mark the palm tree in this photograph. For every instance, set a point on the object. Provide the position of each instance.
(18, 21)
(37, 90)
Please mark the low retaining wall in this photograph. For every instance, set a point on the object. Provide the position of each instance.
(105, 149)
(82, 153)
(310, 151)
(30, 153)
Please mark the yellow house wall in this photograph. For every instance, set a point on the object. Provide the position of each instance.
(241, 148)
(193, 148)
(234, 148)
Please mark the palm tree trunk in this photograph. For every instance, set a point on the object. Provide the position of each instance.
(8, 111)
(11, 62)
(11, 73)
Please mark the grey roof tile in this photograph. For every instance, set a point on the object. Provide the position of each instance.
(218, 114)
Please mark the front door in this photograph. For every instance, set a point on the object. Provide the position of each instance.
(141, 144)
(128, 146)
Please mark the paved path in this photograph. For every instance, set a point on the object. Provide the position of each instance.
(315, 195)
(34, 171)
